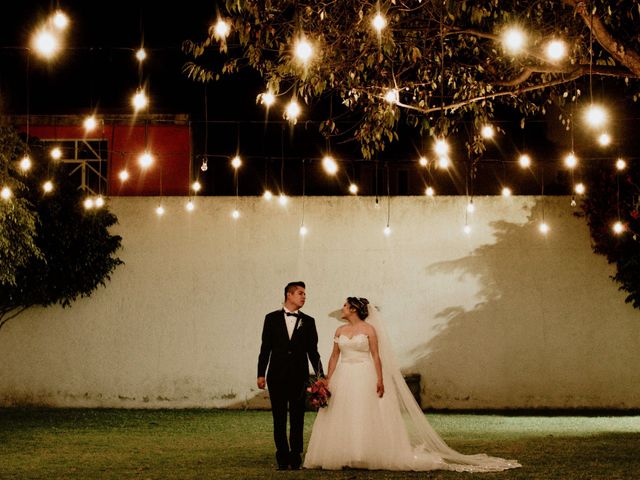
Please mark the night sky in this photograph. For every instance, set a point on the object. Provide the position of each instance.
(98, 70)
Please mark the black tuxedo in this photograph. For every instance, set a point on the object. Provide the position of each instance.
(287, 375)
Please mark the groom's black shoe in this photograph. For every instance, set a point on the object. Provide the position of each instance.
(295, 461)
(282, 467)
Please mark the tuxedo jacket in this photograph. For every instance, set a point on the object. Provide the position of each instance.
(285, 360)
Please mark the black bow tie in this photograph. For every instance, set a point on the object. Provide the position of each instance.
(292, 314)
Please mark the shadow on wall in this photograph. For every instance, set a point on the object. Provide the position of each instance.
(536, 338)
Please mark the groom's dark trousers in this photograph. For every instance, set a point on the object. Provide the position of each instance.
(286, 363)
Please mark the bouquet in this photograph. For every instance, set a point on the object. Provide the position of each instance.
(318, 394)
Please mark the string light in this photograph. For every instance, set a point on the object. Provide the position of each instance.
(159, 210)
(90, 123)
(423, 161)
(56, 153)
(140, 100)
(6, 193)
(514, 40)
(429, 192)
(506, 192)
(60, 20)
(46, 43)
(303, 230)
(443, 162)
(221, 29)
(329, 164)
(621, 164)
(544, 228)
(570, 160)
(604, 139)
(141, 54)
(387, 230)
(292, 112)
(441, 147)
(145, 159)
(99, 201)
(196, 186)
(618, 227)
(487, 131)
(123, 175)
(580, 188)
(392, 96)
(88, 203)
(235, 214)
(303, 50)
(595, 116)
(204, 165)
(379, 22)
(267, 99)
(25, 163)
(467, 229)
(283, 199)
(353, 189)
(471, 206)
(267, 195)
(190, 206)
(556, 50)
(47, 186)
(236, 162)
(524, 160)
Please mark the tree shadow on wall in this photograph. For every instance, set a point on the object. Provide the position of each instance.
(542, 320)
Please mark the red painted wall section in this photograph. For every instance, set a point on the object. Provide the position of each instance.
(170, 146)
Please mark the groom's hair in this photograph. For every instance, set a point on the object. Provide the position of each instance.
(291, 287)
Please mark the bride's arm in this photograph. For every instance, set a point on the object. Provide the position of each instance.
(335, 355)
(373, 346)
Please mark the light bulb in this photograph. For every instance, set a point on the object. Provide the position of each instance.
(283, 199)
(441, 147)
(267, 99)
(621, 164)
(429, 192)
(596, 116)
(140, 100)
(443, 162)
(145, 159)
(556, 50)
(423, 161)
(196, 186)
(329, 164)
(487, 131)
(392, 96)
(267, 195)
(46, 44)
(618, 227)
(513, 39)
(379, 22)
(570, 160)
(60, 20)
(303, 50)
(25, 163)
(303, 230)
(6, 193)
(190, 206)
(544, 228)
(123, 175)
(159, 210)
(604, 139)
(141, 54)
(387, 230)
(506, 192)
(580, 188)
(47, 186)
(221, 29)
(524, 160)
(88, 203)
(99, 201)
(292, 112)
(56, 153)
(471, 207)
(353, 189)
(235, 214)
(236, 162)
(204, 165)
(467, 229)
(90, 123)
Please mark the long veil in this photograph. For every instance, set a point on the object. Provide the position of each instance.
(421, 435)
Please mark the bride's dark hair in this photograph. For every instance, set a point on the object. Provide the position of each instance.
(360, 306)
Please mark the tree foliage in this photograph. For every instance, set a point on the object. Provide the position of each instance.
(70, 251)
(445, 57)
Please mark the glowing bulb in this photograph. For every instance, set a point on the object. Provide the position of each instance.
(292, 111)
(487, 131)
(621, 164)
(441, 147)
(235, 214)
(429, 192)
(267, 99)
(524, 161)
(190, 206)
(570, 160)
(423, 162)
(506, 192)
(303, 50)
(140, 100)
(88, 203)
(596, 116)
(141, 54)
(379, 22)
(544, 228)
(47, 186)
(236, 162)
(267, 195)
(56, 153)
(618, 228)
(123, 175)
(556, 50)
(329, 164)
(392, 96)
(90, 123)
(353, 189)
(443, 162)
(25, 163)
(204, 165)
(159, 210)
(604, 139)
(6, 193)
(467, 229)
(46, 43)
(513, 39)
(221, 29)
(60, 20)
(303, 230)
(145, 159)
(471, 207)
(283, 199)
(196, 186)
(387, 230)
(99, 201)
(580, 188)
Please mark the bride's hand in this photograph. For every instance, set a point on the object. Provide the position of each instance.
(380, 389)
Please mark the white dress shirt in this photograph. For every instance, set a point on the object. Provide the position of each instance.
(290, 321)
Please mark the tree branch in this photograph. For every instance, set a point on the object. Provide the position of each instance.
(5, 320)
(625, 56)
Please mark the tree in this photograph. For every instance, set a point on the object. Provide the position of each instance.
(73, 250)
(436, 63)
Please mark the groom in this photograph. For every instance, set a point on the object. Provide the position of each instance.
(289, 342)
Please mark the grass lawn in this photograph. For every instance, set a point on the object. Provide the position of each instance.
(197, 444)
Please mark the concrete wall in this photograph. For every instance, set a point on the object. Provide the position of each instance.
(500, 318)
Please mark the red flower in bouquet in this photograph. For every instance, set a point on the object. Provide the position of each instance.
(318, 394)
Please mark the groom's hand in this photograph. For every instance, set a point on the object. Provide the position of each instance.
(261, 383)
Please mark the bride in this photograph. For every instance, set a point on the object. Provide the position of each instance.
(372, 420)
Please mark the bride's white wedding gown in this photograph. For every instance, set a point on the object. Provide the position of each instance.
(360, 430)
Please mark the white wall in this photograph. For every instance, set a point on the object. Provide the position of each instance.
(502, 318)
